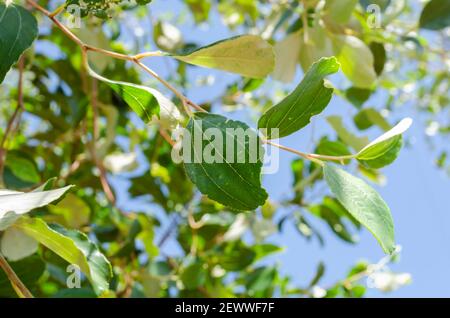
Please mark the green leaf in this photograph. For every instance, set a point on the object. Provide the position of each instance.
(74, 247)
(27, 276)
(13, 204)
(435, 15)
(368, 117)
(143, 100)
(379, 55)
(200, 9)
(357, 143)
(357, 96)
(146, 102)
(334, 214)
(286, 55)
(340, 11)
(356, 60)
(384, 150)
(363, 203)
(309, 98)
(317, 45)
(20, 171)
(18, 30)
(193, 276)
(74, 211)
(167, 36)
(332, 148)
(234, 184)
(247, 55)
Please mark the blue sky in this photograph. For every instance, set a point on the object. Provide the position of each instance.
(416, 191)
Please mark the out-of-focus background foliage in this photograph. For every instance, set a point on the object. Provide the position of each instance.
(302, 242)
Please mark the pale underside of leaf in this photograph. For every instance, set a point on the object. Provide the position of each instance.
(13, 204)
(247, 55)
(72, 246)
(385, 141)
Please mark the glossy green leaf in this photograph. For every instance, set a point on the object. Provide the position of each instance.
(435, 15)
(226, 180)
(143, 100)
(384, 150)
(308, 99)
(146, 102)
(18, 30)
(13, 204)
(363, 203)
(74, 247)
(247, 55)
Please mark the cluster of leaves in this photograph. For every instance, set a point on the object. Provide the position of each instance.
(84, 131)
(101, 8)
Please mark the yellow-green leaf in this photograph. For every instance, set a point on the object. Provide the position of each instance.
(247, 55)
(74, 247)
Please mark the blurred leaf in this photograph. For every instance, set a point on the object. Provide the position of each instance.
(357, 96)
(357, 143)
(16, 245)
(315, 46)
(23, 270)
(167, 36)
(368, 117)
(286, 53)
(20, 171)
(74, 211)
(339, 11)
(200, 9)
(193, 276)
(379, 55)
(356, 60)
(435, 15)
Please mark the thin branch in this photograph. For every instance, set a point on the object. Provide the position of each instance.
(135, 58)
(16, 115)
(185, 101)
(310, 156)
(20, 288)
(103, 179)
